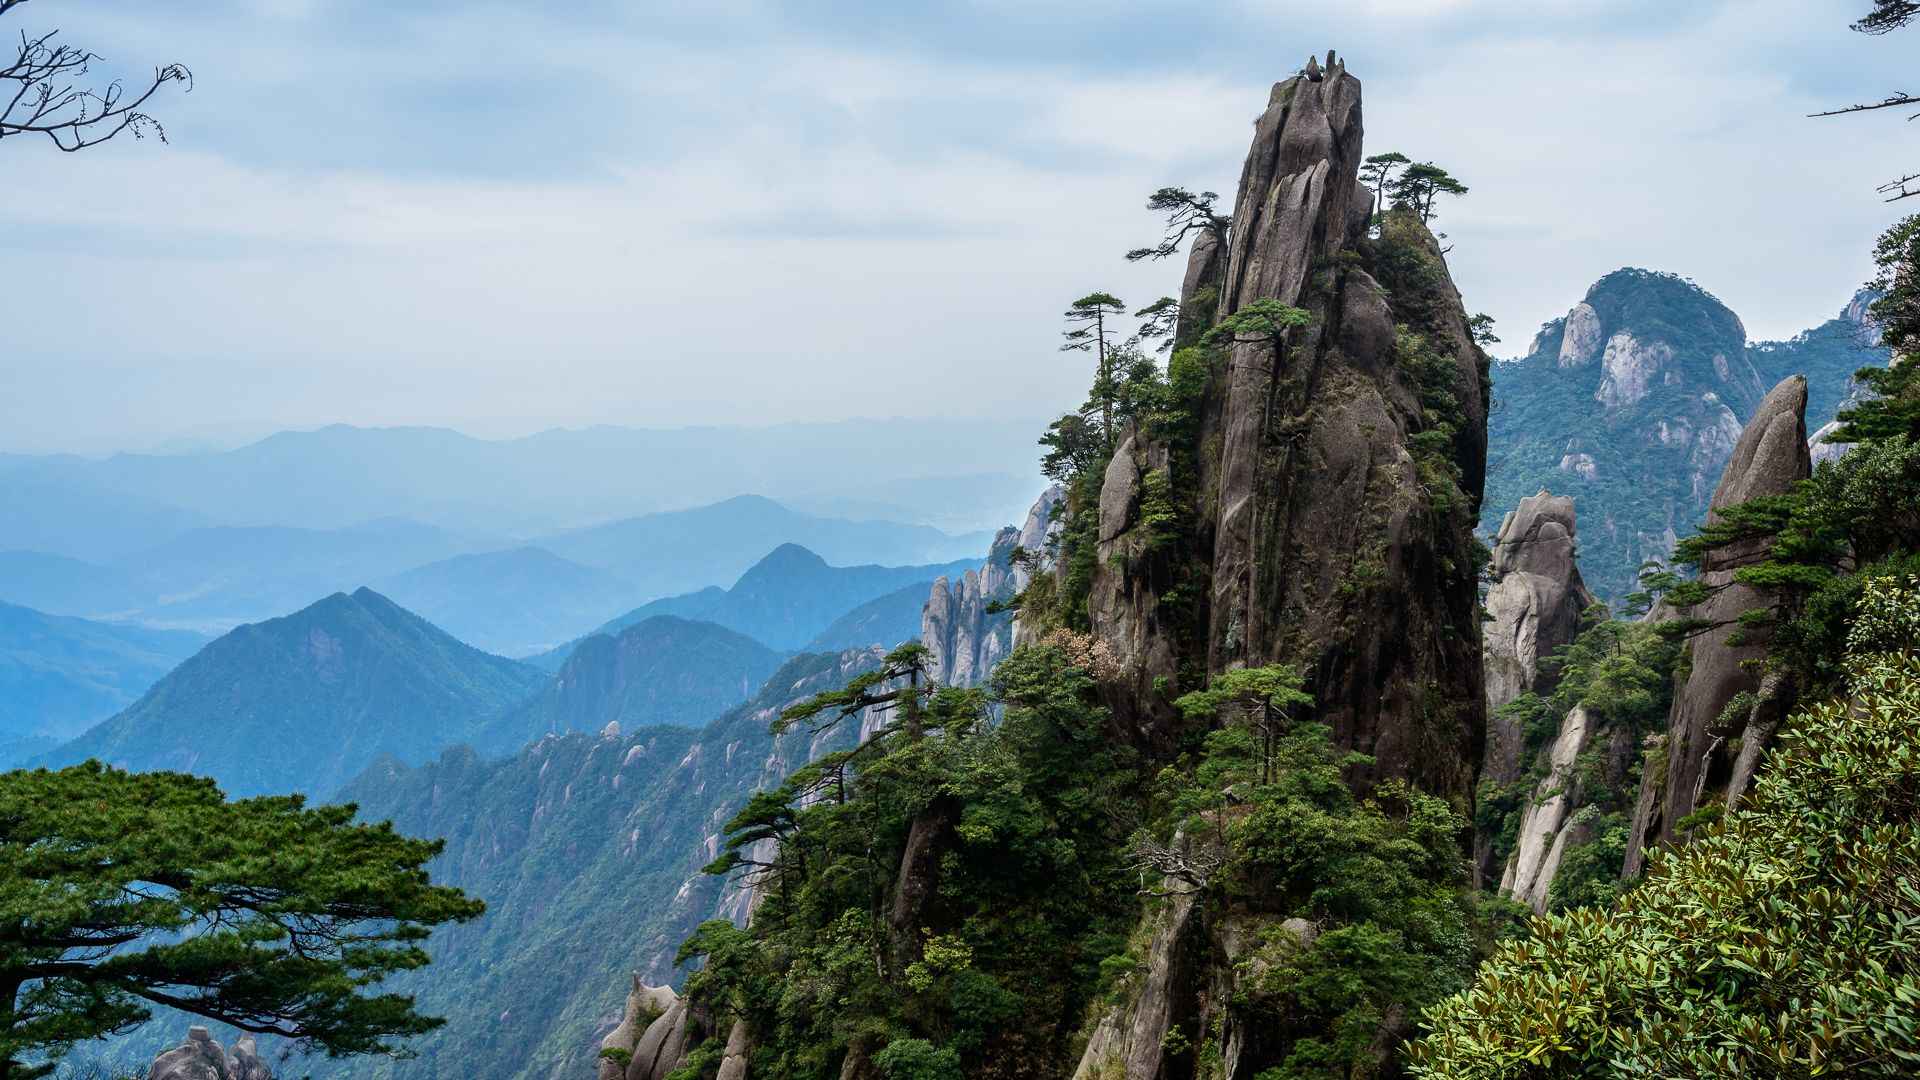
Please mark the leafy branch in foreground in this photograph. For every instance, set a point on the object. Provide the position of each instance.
(120, 891)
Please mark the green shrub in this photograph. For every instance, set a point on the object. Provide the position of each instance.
(1782, 942)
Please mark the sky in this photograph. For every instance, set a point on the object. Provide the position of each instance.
(507, 217)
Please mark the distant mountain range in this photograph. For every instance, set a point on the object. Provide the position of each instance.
(885, 621)
(668, 554)
(1631, 404)
(60, 675)
(517, 602)
(307, 701)
(662, 670)
(339, 476)
(785, 600)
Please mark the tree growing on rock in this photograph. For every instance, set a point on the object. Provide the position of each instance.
(41, 93)
(1418, 186)
(1087, 331)
(122, 891)
(1265, 696)
(1377, 173)
(1187, 213)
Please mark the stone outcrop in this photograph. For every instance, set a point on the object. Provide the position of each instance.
(965, 640)
(1629, 368)
(657, 1031)
(1699, 764)
(645, 1004)
(1534, 607)
(1580, 345)
(1535, 601)
(1304, 522)
(1328, 551)
(202, 1058)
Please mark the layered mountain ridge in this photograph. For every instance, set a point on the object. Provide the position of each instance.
(306, 701)
(1632, 402)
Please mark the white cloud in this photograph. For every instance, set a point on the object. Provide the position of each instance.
(769, 229)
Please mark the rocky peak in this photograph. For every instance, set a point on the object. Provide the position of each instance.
(1701, 764)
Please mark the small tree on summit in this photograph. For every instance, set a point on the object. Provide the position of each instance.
(1419, 185)
(39, 94)
(1186, 213)
(1087, 332)
(1377, 173)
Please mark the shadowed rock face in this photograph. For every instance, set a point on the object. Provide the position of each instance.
(1323, 545)
(1324, 534)
(1770, 458)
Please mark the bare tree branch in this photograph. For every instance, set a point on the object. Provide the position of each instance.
(1893, 101)
(41, 93)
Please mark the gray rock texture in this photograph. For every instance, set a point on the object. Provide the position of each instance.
(1534, 607)
(965, 639)
(1328, 551)
(200, 1057)
(1699, 764)
(1534, 604)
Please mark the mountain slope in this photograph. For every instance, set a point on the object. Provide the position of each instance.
(511, 602)
(885, 621)
(59, 674)
(1631, 404)
(663, 670)
(305, 702)
(588, 851)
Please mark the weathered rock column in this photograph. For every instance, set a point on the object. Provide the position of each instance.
(1697, 766)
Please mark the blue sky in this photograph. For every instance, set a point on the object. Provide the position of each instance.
(505, 217)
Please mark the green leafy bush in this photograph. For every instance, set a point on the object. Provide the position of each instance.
(1783, 941)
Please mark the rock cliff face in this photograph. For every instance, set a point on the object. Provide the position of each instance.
(1335, 482)
(966, 639)
(1700, 764)
(201, 1058)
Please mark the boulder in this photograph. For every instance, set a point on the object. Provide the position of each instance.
(199, 1058)
(246, 1061)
